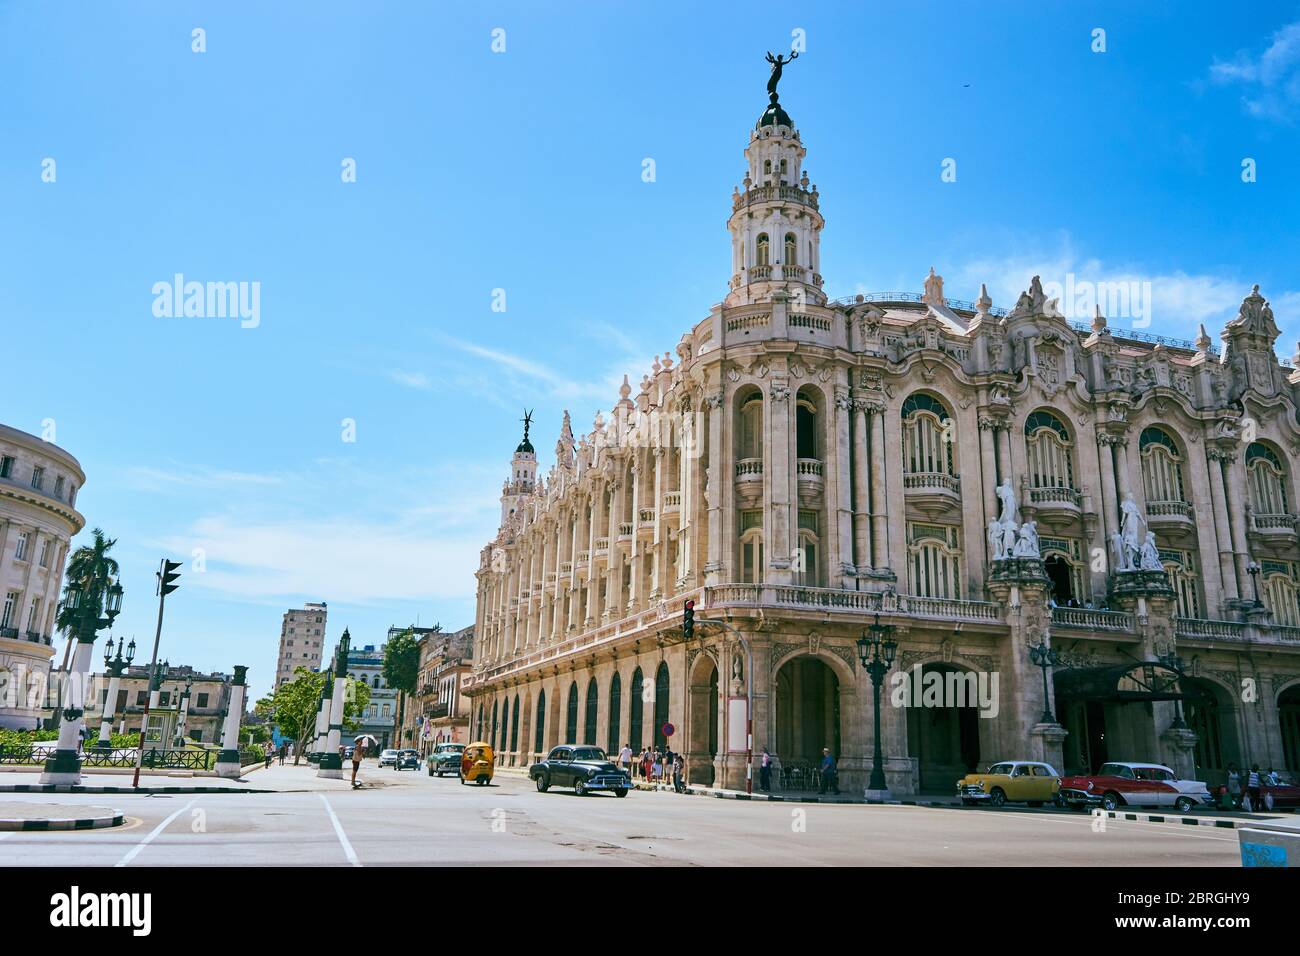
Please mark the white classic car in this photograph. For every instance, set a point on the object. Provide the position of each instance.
(1134, 784)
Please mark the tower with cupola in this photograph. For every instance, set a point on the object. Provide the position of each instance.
(523, 474)
(775, 224)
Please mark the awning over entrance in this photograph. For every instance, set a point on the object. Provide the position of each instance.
(1142, 680)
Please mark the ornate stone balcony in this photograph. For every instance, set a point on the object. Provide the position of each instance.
(809, 469)
(934, 492)
(626, 530)
(749, 469)
(1169, 514)
(1273, 525)
(1090, 619)
(759, 273)
(805, 197)
(672, 502)
(1053, 505)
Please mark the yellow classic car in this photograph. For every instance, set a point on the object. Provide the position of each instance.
(1012, 781)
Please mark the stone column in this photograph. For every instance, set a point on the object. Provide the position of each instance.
(989, 473)
(110, 708)
(778, 480)
(841, 570)
(880, 559)
(1109, 503)
(228, 757)
(861, 489)
(713, 484)
(1237, 520)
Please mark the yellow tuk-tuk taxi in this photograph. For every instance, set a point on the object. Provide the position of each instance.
(477, 764)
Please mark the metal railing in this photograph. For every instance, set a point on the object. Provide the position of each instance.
(1092, 619)
(122, 757)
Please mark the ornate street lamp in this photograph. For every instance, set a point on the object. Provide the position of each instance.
(876, 649)
(1175, 663)
(115, 665)
(94, 610)
(1253, 570)
(1044, 657)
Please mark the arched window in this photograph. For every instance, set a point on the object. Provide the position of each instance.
(934, 561)
(661, 704)
(1280, 592)
(790, 249)
(807, 559)
(751, 428)
(589, 727)
(505, 723)
(571, 717)
(539, 719)
(636, 718)
(514, 725)
(1050, 451)
(493, 739)
(1162, 467)
(1181, 568)
(1267, 480)
(764, 257)
(751, 547)
(615, 712)
(927, 437)
(805, 416)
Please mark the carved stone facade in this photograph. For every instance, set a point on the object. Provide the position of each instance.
(801, 468)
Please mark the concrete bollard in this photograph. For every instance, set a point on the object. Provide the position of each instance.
(1269, 847)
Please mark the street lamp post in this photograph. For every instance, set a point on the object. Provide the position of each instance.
(331, 761)
(183, 713)
(1044, 657)
(95, 610)
(1175, 663)
(876, 649)
(115, 666)
(1253, 570)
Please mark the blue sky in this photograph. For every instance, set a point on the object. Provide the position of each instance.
(521, 171)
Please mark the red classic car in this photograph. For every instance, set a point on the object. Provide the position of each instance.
(1136, 785)
(1275, 793)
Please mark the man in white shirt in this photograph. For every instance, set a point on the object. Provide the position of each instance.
(625, 757)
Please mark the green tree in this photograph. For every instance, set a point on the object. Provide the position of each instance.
(293, 706)
(92, 569)
(402, 667)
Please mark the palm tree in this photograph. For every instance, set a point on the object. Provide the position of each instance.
(91, 569)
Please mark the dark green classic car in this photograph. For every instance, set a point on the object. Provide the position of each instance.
(585, 769)
(445, 759)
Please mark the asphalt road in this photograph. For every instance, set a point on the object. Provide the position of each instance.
(410, 818)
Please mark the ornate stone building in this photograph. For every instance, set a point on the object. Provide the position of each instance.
(804, 468)
(38, 519)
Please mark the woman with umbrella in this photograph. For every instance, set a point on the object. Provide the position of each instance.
(358, 751)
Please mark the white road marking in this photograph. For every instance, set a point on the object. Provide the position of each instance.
(338, 829)
(135, 851)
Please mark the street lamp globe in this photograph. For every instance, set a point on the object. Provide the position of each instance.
(72, 596)
(108, 651)
(113, 602)
(130, 651)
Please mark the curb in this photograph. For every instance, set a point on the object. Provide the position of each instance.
(82, 823)
(1231, 823)
(68, 788)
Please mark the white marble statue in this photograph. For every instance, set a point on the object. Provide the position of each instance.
(996, 548)
(1008, 539)
(1131, 526)
(1007, 495)
(1117, 555)
(1150, 554)
(1027, 546)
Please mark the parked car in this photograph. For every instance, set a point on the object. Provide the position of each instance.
(1011, 781)
(1135, 785)
(407, 759)
(445, 759)
(1275, 793)
(348, 751)
(585, 769)
(388, 758)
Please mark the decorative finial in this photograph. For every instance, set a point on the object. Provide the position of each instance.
(1098, 320)
(528, 421)
(625, 389)
(983, 303)
(668, 361)
(1202, 339)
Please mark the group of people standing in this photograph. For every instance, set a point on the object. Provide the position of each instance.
(654, 765)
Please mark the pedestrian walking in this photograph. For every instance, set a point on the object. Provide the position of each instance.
(645, 763)
(657, 766)
(679, 768)
(625, 757)
(830, 776)
(268, 755)
(765, 772)
(357, 753)
(284, 750)
(1252, 788)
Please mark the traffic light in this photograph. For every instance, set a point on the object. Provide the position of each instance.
(688, 620)
(167, 575)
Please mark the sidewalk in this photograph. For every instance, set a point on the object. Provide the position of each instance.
(255, 779)
(56, 816)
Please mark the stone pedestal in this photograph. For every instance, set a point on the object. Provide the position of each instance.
(228, 757)
(1047, 743)
(1179, 745)
(1021, 585)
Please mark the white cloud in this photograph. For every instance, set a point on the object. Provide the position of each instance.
(416, 380)
(1270, 80)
